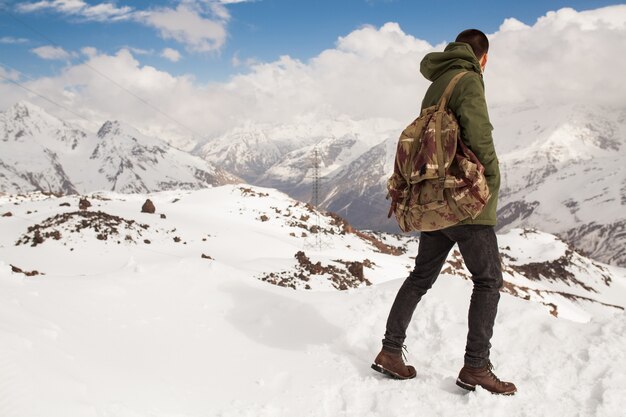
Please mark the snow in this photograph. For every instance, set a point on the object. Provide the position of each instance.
(135, 329)
(532, 246)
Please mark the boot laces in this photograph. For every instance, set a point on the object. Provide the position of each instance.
(404, 349)
(490, 369)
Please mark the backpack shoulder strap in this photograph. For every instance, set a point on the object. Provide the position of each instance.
(443, 101)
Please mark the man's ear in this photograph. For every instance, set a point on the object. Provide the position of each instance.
(483, 61)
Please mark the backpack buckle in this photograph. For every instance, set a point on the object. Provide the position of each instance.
(441, 182)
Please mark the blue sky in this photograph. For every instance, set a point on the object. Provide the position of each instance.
(261, 30)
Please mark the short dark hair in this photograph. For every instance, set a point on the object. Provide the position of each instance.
(476, 39)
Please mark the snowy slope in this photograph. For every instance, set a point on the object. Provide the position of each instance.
(150, 326)
(40, 152)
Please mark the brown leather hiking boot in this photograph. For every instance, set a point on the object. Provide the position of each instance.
(470, 377)
(392, 364)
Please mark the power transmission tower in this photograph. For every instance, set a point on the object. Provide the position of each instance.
(316, 186)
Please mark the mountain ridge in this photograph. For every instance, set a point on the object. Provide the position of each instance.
(562, 172)
(41, 152)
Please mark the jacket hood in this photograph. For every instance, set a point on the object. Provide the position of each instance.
(456, 55)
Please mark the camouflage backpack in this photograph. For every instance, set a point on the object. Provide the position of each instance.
(435, 184)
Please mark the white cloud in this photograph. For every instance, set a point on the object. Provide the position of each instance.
(171, 54)
(237, 62)
(51, 52)
(98, 12)
(512, 24)
(107, 11)
(564, 57)
(9, 73)
(12, 40)
(89, 51)
(190, 25)
(139, 51)
(200, 25)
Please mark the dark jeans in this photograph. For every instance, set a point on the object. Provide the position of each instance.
(479, 247)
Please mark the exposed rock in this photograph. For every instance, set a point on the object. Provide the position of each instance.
(104, 225)
(456, 266)
(148, 207)
(603, 242)
(515, 211)
(350, 276)
(27, 273)
(7, 214)
(84, 204)
(251, 193)
(555, 270)
(368, 264)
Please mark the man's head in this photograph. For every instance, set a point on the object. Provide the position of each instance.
(479, 43)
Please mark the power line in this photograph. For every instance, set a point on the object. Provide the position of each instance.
(147, 103)
(44, 97)
(16, 70)
(91, 122)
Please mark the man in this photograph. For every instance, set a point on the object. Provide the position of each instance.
(476, 238)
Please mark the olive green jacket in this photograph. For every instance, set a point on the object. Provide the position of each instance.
(469, 105)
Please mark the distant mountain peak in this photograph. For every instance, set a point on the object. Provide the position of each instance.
(26, 116)
(41, 152)
(20, 109)
(24, 109)
(110, 127)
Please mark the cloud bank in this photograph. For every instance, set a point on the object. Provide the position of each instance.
(566, 56)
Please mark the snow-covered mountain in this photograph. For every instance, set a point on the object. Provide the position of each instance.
(282, 156)
(568, 177)
(286, 321)
(41, 152)
(563, 172)
(358, 190)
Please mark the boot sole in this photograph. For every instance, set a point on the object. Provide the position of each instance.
(471, 387)
(389, 373)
